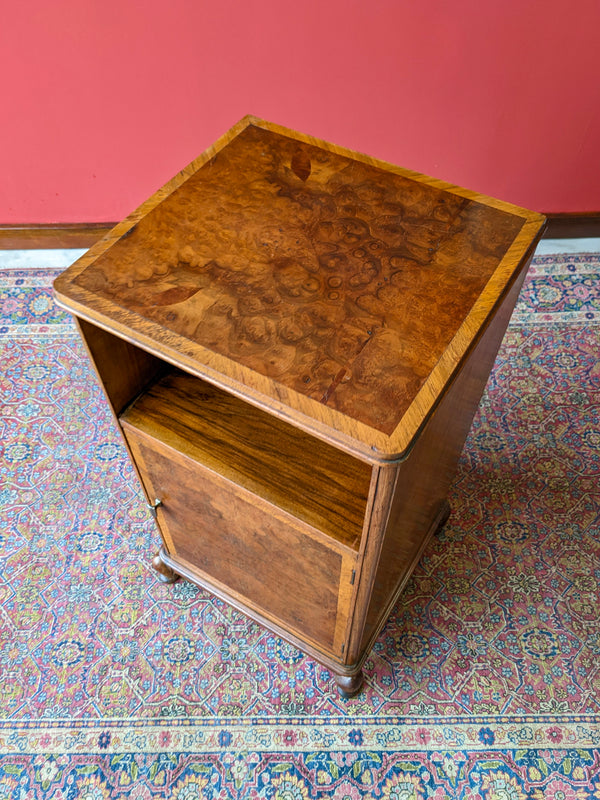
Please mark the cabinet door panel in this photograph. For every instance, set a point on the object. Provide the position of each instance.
(230, 536)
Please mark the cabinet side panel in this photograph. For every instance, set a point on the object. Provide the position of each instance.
(263, 561)
(124, 369)
(424, 478)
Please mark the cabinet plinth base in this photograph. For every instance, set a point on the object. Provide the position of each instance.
(349, 685)
(164, 573)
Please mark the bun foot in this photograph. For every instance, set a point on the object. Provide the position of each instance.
(349, 685)
(164, 574)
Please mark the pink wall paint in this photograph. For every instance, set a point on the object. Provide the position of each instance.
(104, 100)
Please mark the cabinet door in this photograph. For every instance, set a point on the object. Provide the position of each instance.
(258, 555)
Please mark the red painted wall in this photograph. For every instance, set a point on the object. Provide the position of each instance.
(104, 100)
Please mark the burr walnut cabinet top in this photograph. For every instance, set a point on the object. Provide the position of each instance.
(332, 289)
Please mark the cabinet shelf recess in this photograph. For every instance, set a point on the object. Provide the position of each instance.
(315, 482)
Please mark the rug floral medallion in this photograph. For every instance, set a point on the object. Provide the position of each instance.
(484, 684)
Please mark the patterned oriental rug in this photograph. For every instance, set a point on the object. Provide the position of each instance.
(485, 684)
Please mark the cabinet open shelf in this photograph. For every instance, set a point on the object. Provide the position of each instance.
(315, 482)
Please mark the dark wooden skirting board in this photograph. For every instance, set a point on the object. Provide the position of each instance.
(573, 226)
(32, 237)
(52, 237)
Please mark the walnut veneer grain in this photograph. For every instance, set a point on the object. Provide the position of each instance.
(341, 288)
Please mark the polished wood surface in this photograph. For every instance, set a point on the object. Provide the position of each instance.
(342, 282)
(294, 339)
(306, 477)
(313, 280)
